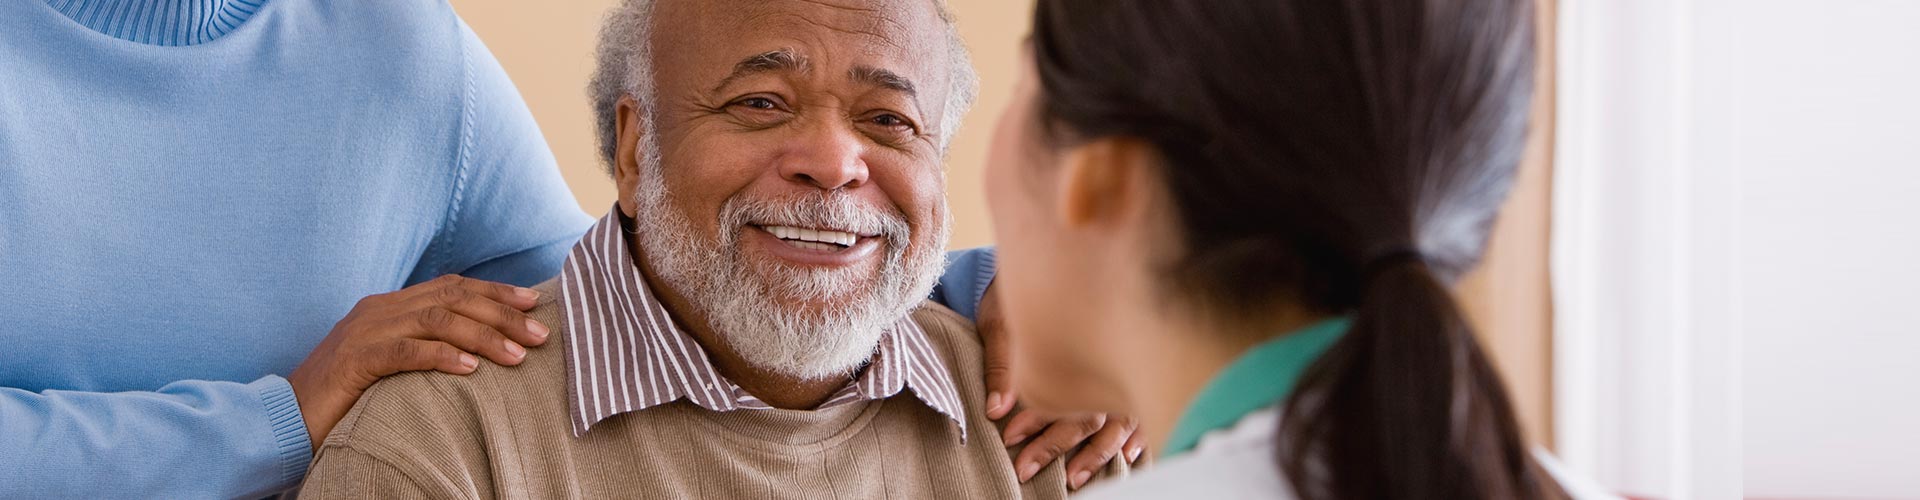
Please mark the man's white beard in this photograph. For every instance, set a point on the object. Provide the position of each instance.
(767, 319)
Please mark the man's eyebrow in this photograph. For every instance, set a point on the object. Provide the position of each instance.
(773, 60)
(884, 79)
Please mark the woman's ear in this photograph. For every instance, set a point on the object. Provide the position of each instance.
(629, 125)
(1105, 181)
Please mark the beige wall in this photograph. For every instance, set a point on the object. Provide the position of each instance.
(547, 47)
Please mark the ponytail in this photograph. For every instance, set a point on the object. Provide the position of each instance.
(1406, 405)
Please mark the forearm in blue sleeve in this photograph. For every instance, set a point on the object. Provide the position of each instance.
(965, 283)
(190, 439)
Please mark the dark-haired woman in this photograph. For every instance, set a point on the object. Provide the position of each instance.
(1242, 217)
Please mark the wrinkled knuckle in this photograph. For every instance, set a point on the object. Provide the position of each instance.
(399, 353)
(435, 318)
(505, 312)
(445, 352)
(357, 373)
(450, 294)
(1092, 424)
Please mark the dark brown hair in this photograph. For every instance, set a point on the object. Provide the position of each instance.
(1345, 156)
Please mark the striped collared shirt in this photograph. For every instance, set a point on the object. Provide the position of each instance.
(624, 353)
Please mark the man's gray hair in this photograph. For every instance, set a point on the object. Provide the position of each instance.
(624, 66)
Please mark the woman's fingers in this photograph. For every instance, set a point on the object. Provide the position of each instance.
(517, 297)
(1025, 424)
(999, 355)
(1135, 448)
(521, 298)
(1058, 438)
(1106, 444)
(405, 355)
(507, 318)
(442, 324)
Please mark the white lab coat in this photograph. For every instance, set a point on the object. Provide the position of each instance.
(1238, 462)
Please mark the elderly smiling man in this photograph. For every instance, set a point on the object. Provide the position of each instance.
(749, 321)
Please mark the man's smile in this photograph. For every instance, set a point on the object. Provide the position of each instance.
(818, 239)
(814, 246)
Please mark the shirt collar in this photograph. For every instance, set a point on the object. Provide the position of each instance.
(1261, 377)
(625, 353)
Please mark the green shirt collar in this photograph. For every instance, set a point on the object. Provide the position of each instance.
(1263, 376)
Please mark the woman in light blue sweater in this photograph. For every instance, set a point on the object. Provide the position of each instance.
(193, 192)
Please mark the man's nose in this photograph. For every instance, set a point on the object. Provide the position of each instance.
(829, 159)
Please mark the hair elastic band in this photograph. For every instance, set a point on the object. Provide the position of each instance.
(1394, 257)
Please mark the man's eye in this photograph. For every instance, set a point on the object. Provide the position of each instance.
(759, 103)
(889, 120)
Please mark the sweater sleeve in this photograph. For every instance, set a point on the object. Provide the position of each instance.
(511, 217)
(190, 439)
(964, 284)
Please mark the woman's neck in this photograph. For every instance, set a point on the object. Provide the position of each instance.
(1180, 353)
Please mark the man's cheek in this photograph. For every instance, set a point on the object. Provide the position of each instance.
(931, 207)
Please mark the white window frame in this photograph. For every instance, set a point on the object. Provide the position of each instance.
(1646, 346)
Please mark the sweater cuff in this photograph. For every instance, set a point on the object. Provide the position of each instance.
(964, 285)
(289, 428)
(983, 273)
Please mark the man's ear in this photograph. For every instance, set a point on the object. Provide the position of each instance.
(1105, 181)
(629, 125)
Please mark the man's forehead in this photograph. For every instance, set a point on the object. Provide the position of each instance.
(903, 30)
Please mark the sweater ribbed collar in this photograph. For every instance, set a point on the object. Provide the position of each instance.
(160, 22)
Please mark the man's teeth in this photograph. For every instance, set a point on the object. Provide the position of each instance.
(813, 235)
